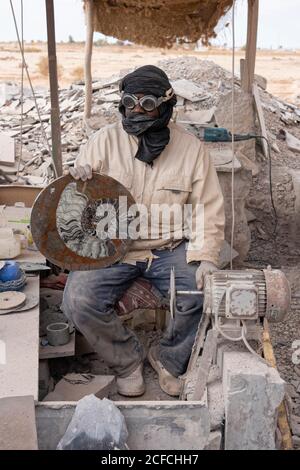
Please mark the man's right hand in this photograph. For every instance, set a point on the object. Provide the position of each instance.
(80, 172)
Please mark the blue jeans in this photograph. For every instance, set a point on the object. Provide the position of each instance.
(90, 297)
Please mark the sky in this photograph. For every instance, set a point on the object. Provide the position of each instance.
(278, 22)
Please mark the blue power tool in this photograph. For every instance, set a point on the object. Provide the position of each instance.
(220, 134)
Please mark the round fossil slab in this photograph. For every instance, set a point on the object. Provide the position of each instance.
(82, 225)
(11, 299)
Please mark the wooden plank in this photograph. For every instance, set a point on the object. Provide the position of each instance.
(17, 424)
(51, 352)
(55, 113)
(19, 333)
(150, 424)
(7, 150)
(251, 45)
(204, 364)
(261, 119)
(283, 422)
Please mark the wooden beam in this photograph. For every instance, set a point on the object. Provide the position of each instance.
(283, 423)
(89, 7)
(55, 115)
(248, 78)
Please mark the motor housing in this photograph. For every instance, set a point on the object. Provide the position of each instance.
(247, 294)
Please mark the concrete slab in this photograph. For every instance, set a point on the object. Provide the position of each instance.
(151, 425)
(7, 149)
(17, 424)
(19, 335)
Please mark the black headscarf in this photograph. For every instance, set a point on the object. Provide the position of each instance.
(153, 133)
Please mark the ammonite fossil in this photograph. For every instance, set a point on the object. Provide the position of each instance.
(82, 225)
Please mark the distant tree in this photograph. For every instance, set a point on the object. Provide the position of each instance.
(71, 40)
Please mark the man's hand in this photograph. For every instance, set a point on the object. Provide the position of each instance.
(80, 172)
(206, 267)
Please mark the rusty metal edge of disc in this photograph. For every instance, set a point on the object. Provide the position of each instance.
(44, 230)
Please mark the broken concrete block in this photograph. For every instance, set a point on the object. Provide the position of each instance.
(252, 393)
(73, 387)
(17, 424)
(292, 142)
(96, 425)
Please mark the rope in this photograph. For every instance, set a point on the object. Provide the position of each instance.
(232, 132)
(22, 93)
(21, 47)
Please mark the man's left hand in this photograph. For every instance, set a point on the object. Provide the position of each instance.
(206, 267)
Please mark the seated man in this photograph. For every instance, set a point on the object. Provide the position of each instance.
(160, 163)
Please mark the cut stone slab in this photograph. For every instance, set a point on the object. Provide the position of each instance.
(19, 333)
(189, 90)
(7, 150)
(17, 424)
(96, 425)
(252, 393)
(202, 116)
(73, 387)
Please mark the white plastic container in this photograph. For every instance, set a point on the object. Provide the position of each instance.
(10, 246)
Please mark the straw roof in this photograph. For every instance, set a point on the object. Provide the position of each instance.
(159, 23)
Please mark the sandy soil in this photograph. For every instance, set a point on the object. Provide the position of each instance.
(281, 68)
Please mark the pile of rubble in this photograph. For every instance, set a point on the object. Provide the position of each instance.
(199, 86)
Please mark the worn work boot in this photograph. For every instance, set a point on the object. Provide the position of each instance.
(168, 383)
(133, 385)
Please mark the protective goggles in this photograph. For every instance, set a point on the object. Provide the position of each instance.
(147, 102)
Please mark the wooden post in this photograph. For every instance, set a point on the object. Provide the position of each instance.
(249, 66)
(55, 115)
(89, 4)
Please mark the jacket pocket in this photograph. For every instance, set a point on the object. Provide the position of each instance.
(172, 189)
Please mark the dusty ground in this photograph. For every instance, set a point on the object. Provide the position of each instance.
(281, 68)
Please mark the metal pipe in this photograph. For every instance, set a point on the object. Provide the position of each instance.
(55, 114)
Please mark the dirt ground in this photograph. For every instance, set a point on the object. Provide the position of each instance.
(281, 68)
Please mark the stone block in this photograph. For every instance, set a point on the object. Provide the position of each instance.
(252, 393)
